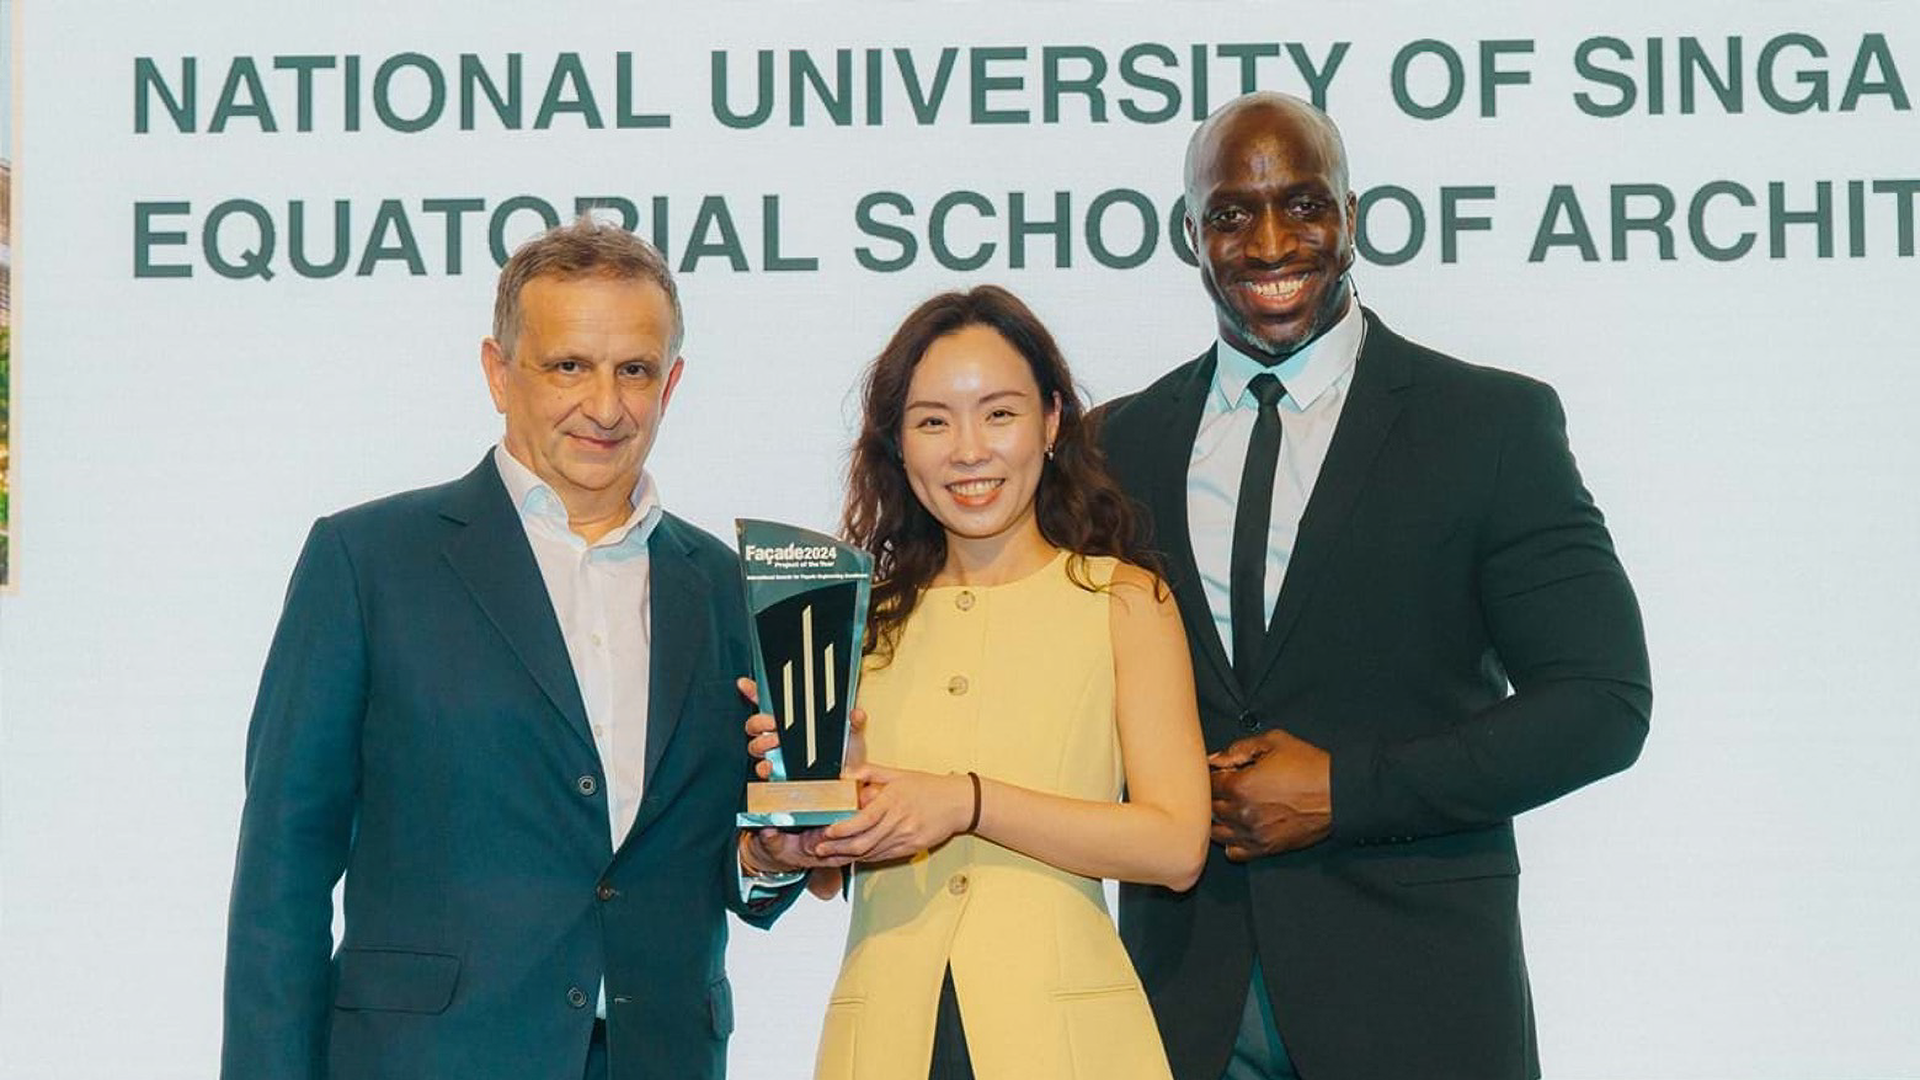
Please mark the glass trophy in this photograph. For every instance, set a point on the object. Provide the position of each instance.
(807, 613)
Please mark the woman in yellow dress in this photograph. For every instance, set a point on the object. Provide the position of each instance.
(1024, 670)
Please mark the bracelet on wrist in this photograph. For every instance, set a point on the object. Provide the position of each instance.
(974, 822)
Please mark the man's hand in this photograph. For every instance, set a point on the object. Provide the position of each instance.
(775, 851)
(772, 850)
(1272, 792)
(762, 738)
(826, 882)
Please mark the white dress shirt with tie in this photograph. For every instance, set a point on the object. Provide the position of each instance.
(1317, 379)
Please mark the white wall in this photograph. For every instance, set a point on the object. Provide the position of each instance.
(1738, 905)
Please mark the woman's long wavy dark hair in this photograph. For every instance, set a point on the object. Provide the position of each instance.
(1077, 505)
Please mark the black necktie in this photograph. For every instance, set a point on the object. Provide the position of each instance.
(1252, 515)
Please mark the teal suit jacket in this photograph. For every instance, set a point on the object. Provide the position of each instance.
(418, 729)
(1455, 629)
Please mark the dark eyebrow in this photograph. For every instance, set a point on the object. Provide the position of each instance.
(995, 396)
(1310, 185)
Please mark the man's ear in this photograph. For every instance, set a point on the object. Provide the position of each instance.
(493, 363)
(1353, 228)
(673, 380)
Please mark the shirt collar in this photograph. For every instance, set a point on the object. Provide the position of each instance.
(1306, 374)
(539, 506)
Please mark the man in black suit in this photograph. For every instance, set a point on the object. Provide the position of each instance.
(1408, 626)
(504, 708)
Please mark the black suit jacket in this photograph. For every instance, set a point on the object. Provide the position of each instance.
(1448, 551)
(419, 729)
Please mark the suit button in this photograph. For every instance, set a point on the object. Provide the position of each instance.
(964, 601)
(587, 785)
(605, 891)
(957, 884)
(1248, 721)
(576, 997)
(957, 685)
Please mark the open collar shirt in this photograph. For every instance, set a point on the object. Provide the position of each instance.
(600, 593)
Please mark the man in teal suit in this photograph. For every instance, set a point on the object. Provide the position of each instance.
(504, 708)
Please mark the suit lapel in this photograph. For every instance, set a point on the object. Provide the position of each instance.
(495, 562)
(1373, 404)
(682, 621)
(1169, 461)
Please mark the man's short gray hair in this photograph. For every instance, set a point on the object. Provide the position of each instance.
(586, 248)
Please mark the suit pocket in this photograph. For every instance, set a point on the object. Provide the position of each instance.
(720, 1007)
(1431, 869)
(395, 980)
(1116, 989)
(1111, 1033)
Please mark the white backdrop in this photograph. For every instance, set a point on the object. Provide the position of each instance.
(1740, 904)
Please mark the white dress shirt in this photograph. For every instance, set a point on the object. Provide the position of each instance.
(600, 595)
(1317, 379)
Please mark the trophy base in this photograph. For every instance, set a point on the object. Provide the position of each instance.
(798, 804)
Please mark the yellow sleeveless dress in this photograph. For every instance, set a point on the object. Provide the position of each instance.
(1014, 682)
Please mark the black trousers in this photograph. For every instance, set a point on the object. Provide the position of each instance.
(597, 1053)
(950, 1058)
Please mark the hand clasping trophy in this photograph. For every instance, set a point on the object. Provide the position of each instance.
(807, 613)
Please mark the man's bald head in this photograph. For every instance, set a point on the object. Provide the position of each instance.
(1266, 108)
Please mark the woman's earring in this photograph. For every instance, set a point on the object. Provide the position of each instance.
(1049, 451)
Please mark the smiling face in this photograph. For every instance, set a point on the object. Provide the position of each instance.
(586, 385)
(1271, 219)
(974, 436)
